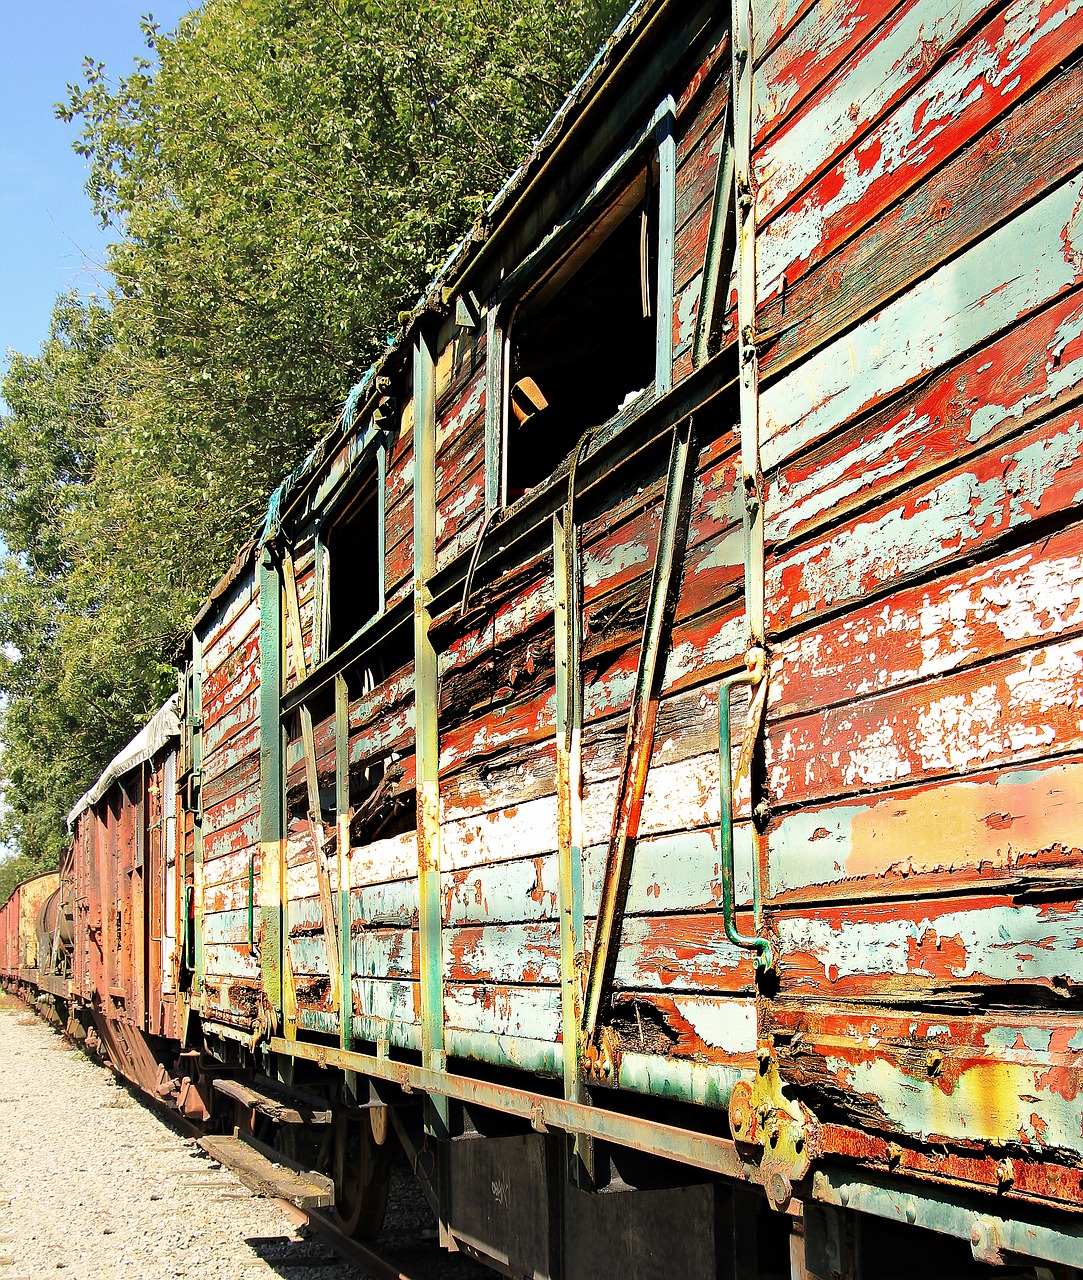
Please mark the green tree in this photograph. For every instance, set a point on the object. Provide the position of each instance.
(283, 176)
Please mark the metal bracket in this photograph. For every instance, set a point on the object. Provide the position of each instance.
(762, 1115)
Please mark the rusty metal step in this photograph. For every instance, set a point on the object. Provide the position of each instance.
(280, 1109)
(266, 1177)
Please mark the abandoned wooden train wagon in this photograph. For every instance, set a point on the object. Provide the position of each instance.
(644, 741)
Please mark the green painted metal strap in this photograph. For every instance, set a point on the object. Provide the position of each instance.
(427, 730)
(271, 781)
(639, 742)
(342, 815)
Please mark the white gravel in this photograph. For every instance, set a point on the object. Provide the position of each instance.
(94, 1186)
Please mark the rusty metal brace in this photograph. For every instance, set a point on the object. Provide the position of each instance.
(639, 743)
(323, 877)
(755, 676)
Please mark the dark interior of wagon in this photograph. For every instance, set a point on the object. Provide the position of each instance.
(353, 552)
(583, 340)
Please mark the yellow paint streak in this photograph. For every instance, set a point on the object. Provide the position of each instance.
(993, 822)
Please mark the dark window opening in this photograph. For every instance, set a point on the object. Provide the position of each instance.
(353, 565)
(583, 341)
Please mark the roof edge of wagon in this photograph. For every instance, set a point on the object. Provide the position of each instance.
(163, 726)
(461, 257)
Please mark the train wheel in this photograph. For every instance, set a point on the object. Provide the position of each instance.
(362, 1175)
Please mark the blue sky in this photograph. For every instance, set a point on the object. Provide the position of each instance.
(51, 240)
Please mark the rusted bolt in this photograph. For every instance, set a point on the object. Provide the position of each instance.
(911, 1214)
(934, 1063)
(779, 1188)
(1005, 1172)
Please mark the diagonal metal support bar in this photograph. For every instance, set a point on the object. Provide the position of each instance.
(323, 876)
(639, 742)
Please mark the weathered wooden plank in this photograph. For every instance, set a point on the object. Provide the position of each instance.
(1012, 824)
(771, 20)
(237, 676)
(932, 524)
(391, 1003)
(1001, 1078)
(530, 1012)
(235, 600)
(1005, 59)
(235, 753)
(994, 392)
(1037, 146)
(1024, 707)
(674, 873)
(1027, 594)
(234, 839)
(218, 817)
(827, 35)
(678, 797)
(226, 960)
(239, 718)
(915, 949)
(392, 858)
(960, 305)
(907, 46)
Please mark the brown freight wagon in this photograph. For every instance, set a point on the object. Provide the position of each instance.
(640, 752)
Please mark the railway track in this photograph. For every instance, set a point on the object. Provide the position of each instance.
(373, 1261)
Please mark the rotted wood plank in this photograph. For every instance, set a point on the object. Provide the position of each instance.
(995, 1078)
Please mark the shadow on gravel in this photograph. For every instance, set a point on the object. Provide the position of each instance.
(293, 1258)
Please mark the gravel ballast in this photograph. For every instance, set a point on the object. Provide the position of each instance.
(93, 1185)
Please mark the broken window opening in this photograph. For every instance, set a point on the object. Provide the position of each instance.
(352, 546)
(583, 341)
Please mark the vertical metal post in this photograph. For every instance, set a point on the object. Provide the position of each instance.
(197, 808)
(494, 412)
(743, 75)
(271, 782)
(426, 713)
(381, 521)
(342, 816)
(667, 232)
(569, 725)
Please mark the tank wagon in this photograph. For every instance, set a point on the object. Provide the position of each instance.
(637, 761)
